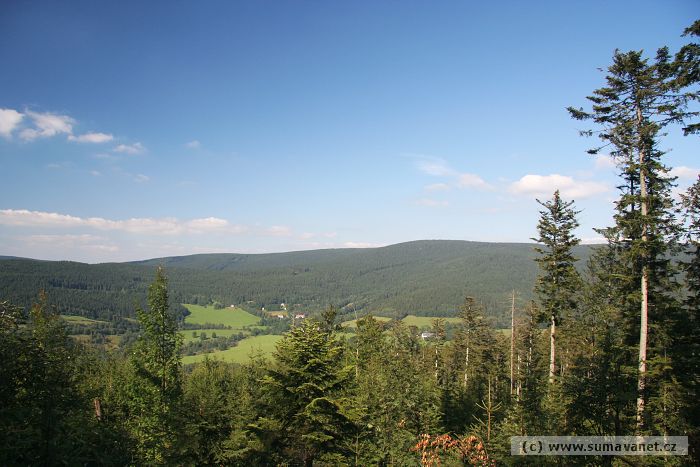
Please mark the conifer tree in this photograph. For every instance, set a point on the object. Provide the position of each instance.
(689, 328)
(639, 100)
(153, 385)
(307, 409)
(558, 282)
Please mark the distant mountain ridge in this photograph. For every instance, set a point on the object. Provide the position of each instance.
(426, 277)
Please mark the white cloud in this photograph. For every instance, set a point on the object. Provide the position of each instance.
(279, 231)
(141, 178)
(685, 173)
(594, 240)
(467, 180)
(194, 144)
(362, 245)
(437, 187)
(163, 226)
(9, 120)
(94, 138)
(431, 203)
(603, 162)
(84, 241)
(136, 148)
(95, 173)
(545, 185)
(46, 125)
(437, 167)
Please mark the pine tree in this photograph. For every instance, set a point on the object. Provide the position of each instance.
(689, 328)
(558, 282)
(153, 385)
(639, 100)
(307, 408)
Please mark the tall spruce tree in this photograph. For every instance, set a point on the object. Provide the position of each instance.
(154, 385)
(558, 282)
(690, 327)
(307, 418)
(639, 100)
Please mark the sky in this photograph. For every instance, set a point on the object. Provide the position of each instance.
(133, 130)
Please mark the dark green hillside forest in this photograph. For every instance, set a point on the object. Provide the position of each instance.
(605, 343)
(428, 278)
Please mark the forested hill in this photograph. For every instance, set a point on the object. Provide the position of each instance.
(428, 277)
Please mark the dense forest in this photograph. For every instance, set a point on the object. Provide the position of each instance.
(428, 278)
(607, 346)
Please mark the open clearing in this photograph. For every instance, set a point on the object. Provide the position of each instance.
(81, 320)
(234, 317)
(265, 344)
(353, 323)
(422, 322)
(425, 321)
(187, 333)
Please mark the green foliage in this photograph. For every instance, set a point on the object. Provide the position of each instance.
(425, 278)
(558, 280)
(46, 416)
(233, 317)
(308, 416)
(152, 380)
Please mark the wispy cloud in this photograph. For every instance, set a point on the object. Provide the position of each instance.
(437, 167)
(82, 241)
(278, 231)
(194, 144)
(162, 226)
(362, 245)
(603, 162)
(94, 138)
(47, 124)
(9, 120)
(685, 173)
(545, 185)
(141, 178)
(132, 149)
(437, 187)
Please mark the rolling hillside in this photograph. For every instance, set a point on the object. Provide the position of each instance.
(428, 278)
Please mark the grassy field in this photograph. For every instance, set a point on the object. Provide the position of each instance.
(234, 317)
(422, 322)
(240, 353)
(80, 320)
(187, 333)
(425, 321)
(353, 323)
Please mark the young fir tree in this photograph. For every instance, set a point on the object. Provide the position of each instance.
(690, 328)
(307, 417)
(558, 282)
(154, 383)
(639, 100)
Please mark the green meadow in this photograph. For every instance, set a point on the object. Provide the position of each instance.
(425, 322)
(81, 320)
(233, 317)
(263, 344)
(187, 333)
(422, 322)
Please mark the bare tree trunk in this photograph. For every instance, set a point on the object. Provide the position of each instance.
(644, 312)
(466, 365)
(512, 340)
(552, 365)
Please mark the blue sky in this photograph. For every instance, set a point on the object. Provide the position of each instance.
(132, 130)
